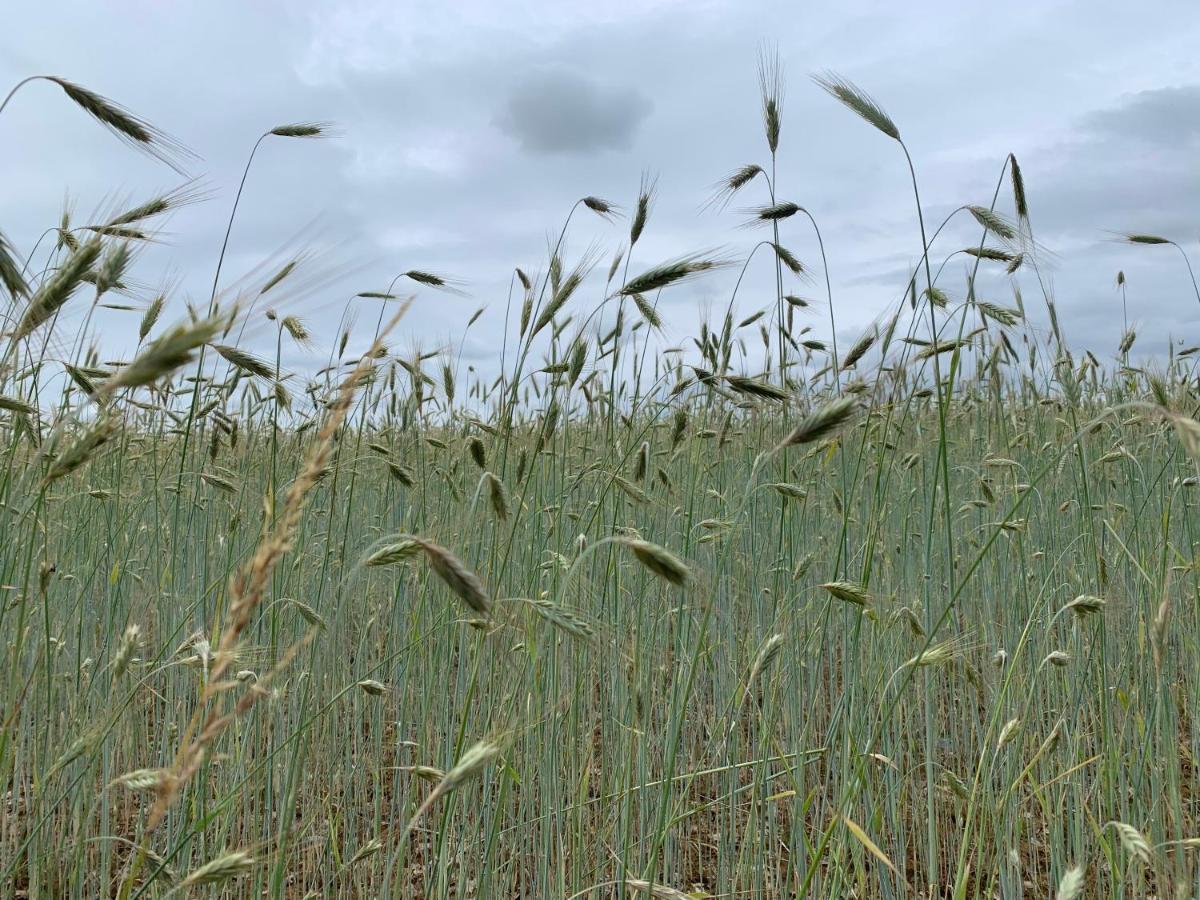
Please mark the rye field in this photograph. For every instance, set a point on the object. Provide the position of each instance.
(740, 607)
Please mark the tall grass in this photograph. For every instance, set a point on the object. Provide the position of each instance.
(916, 619)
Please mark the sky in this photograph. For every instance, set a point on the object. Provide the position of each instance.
(465, 132)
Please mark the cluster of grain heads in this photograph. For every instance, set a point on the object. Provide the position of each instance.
(470, 765)
(110, 271)
(212, 716)
(430, 774)
(1148, 239)
(442, 283)
(297, 330)
(909, 617)
(631, 490)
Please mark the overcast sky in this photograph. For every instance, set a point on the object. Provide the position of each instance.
(467, 131)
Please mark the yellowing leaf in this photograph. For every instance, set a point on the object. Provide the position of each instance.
(871, 846)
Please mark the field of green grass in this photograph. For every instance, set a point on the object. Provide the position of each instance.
(757, 615)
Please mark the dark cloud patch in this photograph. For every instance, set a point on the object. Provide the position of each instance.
(562, 112)
(1125, 167)
(1165, 116)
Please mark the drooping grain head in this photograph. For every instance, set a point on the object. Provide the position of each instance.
(121, 122)
(57, 290)
(660, 561)
(821, 422)
(224, 868)
(10, 272)
(602, 208)
(461, 580)
(859, 102)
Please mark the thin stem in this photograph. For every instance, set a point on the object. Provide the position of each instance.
(18, 86)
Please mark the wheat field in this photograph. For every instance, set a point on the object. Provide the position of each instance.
(754, 615)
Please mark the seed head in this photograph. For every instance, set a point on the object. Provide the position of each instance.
(848, 591)
(659, 560)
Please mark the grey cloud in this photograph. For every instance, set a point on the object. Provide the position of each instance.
(1125, 167)
(558, 111)
(464, 155)
(1166, 116)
